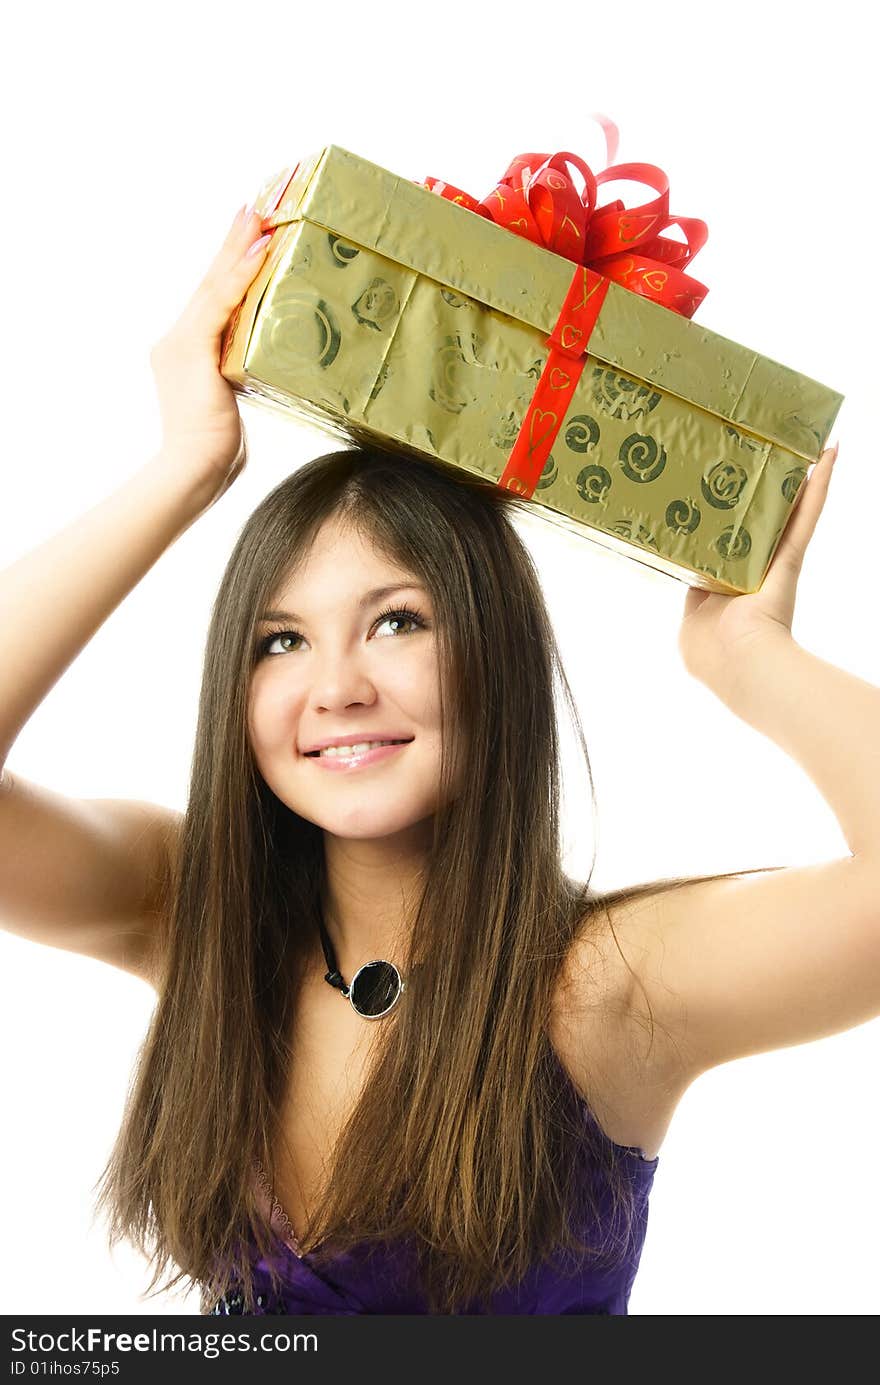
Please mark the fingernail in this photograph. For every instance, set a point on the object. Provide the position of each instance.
(259, 245)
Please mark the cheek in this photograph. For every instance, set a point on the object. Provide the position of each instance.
(417, 688)
(271, 717)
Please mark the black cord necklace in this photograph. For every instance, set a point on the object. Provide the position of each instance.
(376, 987)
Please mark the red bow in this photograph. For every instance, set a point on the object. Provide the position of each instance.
(537, 199)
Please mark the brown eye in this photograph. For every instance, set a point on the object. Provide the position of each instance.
(401, 613)
(264, 645)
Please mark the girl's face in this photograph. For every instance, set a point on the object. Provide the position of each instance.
(338, 669)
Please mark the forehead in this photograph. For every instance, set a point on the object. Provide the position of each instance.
(341, 564)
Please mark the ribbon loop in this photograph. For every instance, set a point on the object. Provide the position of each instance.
(537, 199)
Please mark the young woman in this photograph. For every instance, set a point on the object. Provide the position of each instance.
(399, 1062)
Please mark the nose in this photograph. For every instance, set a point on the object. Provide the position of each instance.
(338, 681)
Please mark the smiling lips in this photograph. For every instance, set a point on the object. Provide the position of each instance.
(354, 757)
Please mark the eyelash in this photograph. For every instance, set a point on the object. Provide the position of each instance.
(263, 644)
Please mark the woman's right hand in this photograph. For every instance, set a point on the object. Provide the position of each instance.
(202, 433)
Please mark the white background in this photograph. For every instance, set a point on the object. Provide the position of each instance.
(132, 135)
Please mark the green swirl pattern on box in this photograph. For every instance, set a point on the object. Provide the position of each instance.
(387, 313)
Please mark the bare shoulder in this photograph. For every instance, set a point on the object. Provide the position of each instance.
(625, 1063)
(149, 835)
(744, 963)
(688, 974)
(165, 827)
(87, 875)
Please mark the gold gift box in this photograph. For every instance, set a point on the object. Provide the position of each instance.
(386, 313)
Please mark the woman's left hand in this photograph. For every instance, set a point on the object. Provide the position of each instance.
(717, 629)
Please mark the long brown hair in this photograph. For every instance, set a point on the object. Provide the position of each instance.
(462, 1138)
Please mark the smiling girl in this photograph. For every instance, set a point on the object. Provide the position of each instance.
(399, 1061)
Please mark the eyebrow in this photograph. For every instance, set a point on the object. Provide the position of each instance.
(377, 594)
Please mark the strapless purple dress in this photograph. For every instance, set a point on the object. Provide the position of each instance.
(383, 1279)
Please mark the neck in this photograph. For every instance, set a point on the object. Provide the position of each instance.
(371, 890)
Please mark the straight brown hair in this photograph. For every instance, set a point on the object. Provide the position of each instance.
(462, 1139)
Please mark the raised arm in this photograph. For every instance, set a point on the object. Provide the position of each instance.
(88, 874)
(733, 966)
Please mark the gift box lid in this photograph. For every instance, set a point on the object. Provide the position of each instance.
(400, 219)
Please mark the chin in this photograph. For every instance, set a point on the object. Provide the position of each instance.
(367, 820)
(369, 825)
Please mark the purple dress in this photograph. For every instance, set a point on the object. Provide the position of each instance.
(384, 1281)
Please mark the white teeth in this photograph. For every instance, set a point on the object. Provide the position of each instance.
(346, 751)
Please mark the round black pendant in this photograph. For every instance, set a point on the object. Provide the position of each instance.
(376, 989)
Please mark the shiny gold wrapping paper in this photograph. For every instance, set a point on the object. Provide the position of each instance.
(387, 313)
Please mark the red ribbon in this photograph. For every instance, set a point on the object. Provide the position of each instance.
(536, 198)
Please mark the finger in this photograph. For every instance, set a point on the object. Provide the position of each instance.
(808, 506)
(694, 599)
(227, 280)
(246, 226)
